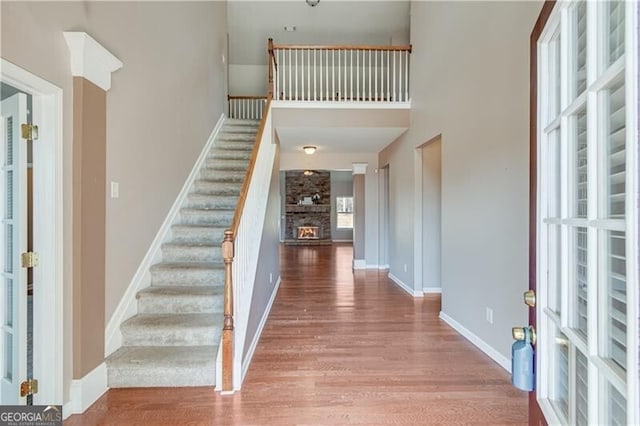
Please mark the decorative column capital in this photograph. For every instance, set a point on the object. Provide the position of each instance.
(360, 168)
(89, 59)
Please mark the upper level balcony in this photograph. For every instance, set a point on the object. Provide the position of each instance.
(347, 90)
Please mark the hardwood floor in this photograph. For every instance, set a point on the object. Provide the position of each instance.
(339, 348)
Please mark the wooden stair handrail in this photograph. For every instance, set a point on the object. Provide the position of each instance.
(229, 97)
(228, 249)
(402, 48)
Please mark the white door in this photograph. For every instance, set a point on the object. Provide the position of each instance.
(587, 217)
(13, 214)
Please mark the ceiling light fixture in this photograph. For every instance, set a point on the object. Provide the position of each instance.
(309, 149)
(313, 3)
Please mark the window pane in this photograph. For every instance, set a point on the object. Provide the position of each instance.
(616, 410)
(580, 280)
(345, 220)
(615, 31)
(554, 77)
(8, 255)
(8, 302)
(555, 268)
(579, 49)
(554, 176)
(616, 304)
(9, 200)
(9, 157)
(8, 356)
(615, 150)
(582, 389)
(580, 166)
(559, 390)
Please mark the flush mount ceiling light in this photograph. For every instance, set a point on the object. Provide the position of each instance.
(309, 149)
(308, 172)
(313, 3)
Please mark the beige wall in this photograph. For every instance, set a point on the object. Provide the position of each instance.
(469, 82)
(89, 197)
(161, 108)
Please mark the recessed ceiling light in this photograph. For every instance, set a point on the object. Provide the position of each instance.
(290, 28)
(309, 149)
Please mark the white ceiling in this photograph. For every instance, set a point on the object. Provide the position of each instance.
(339, 130)
(251, 23)
(356, 140)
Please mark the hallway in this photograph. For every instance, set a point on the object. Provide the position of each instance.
(339, 348)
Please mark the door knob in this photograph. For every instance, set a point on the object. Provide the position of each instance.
(518, 333)
(530, 298)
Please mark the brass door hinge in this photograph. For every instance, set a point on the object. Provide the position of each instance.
(28, 387)
(29, 259)
(29, 132)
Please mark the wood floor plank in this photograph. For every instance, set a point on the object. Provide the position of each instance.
(339, 348)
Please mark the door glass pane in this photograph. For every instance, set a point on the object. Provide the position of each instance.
(9, 129)
(580, 161)
(9, 199)
(615, 31)
(580, 280)
(559, 388)
(582, 389)
(579, 49)
(554, 201)
(615, 150)
(616, 308)
(616, 409)
(554, 77)
(8, 302)
(8, 266)
(555, 269)
(8, 356)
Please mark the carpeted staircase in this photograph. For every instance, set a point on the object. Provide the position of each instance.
(174, 338)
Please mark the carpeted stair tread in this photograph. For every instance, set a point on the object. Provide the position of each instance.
(191, 252)
(176, 299)
(187, 274)
(172, 329)
(162, 366)
(217, 217)
(197, 200)
(197, 233)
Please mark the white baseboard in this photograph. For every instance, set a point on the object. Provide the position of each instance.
(341, 241)
(432, 290)
(359, 264)
(502, 361)
(383, 266)
(84, 392)
(412, 292)
(128, 305)
(254, 343)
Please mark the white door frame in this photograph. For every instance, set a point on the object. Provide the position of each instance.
(47, 230)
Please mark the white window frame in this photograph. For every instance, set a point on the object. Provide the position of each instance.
(338, 212)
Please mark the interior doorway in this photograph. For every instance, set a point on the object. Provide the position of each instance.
(431, 165)
(44, 238)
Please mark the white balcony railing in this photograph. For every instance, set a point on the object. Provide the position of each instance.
(339, 73)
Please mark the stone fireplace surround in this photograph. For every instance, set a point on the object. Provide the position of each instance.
(297, 187)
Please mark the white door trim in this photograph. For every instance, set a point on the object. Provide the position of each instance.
(47, 192)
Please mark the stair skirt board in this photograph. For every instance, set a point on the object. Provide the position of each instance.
(167, 328)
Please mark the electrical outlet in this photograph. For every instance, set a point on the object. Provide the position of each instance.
(489, 315)
(270, 278)
(405, 267)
